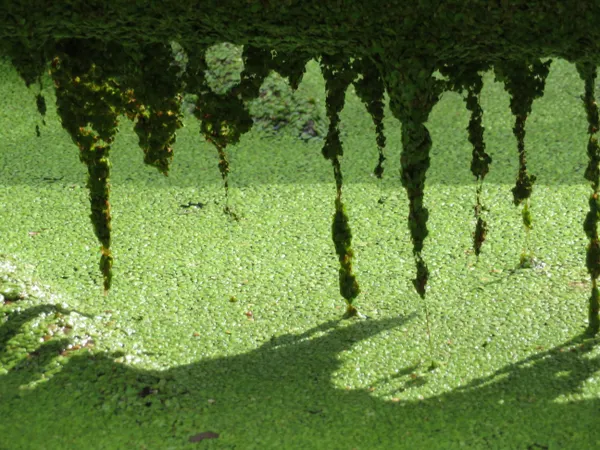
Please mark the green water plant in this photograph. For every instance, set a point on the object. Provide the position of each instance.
(588, 73)
(91, 123)
(524, 80)
(414, 91)
(468, 78)
(159, 110)
(338, 75)
(370, 90)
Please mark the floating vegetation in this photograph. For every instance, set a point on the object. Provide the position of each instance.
(99, 77)
(83, 99)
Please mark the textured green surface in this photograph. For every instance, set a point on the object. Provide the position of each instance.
(140, 59)
(169, 353)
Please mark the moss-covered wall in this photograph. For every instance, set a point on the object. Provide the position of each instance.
(111, 59)
(450, 30)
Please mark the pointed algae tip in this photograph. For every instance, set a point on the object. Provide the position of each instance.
(351, 312)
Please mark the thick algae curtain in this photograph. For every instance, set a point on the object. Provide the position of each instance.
(99, 78)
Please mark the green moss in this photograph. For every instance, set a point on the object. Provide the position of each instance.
(370, 90)
(588, 73)
(338, 75)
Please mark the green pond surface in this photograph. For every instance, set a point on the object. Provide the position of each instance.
(234, 328)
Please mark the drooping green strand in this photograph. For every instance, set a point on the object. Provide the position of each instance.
(588, 72)
(40, 103)
(416, 143)
(413, 93)
(291, 65)
(338, 75)
(224, 118)
(96, 159)
(524, 184)
(257, 66)
(157, 105)
(525, 81)
(156, 133)
(467, 77)
(481, 160)
(370, 89)
(88, 106)
(342, 239)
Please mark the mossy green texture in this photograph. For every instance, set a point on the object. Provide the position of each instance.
(80, 107)
(167, 355)
(370, 90)
(524, 81)
(338, 75)
(588, 74)
(469, 79)
(126, 45)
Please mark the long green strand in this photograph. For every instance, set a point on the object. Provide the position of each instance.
(370, 89)
(84, 105)
(338, 76)
(524, 81)
(588, 73)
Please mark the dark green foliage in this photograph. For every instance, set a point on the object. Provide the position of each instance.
(158, 105)
(480, 234)
(342, 239)
(370, 90)
(588, 74)
(82, 102)
(338, 75)
(526, 215)
(524, 80)
(41, 104)
(224, 117)
(275, 108)
(593, 312)
(468, 78)
(413, 94)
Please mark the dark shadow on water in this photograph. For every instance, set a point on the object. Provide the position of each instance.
(280, 395)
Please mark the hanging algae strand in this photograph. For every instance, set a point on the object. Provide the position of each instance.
(415, 159)
(40, 103)
(96, 159)
(85, 100)
(588, 73)
(224, 117)
(467, 77)
(338, 76)
(413, 93)
(157, 105)
(522, 191)
(370, 90)
(524, 81)
(480, 162)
